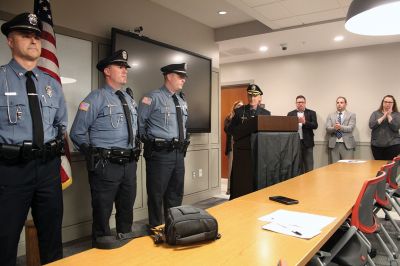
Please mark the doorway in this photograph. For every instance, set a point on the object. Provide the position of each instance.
(229, 95)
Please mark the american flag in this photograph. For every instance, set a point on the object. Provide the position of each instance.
(48, 63)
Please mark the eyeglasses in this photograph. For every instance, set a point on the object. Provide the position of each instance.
(387, 102)
(300, 102)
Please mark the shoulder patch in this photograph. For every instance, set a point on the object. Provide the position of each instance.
(84, 106)
(147, 100)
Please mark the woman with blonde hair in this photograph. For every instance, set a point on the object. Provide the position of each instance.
(229, 142)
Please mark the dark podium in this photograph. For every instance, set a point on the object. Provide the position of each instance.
(266, 151)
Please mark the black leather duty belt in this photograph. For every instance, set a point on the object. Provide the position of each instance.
(10, 153)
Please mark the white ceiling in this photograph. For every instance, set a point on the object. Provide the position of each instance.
(304, 25)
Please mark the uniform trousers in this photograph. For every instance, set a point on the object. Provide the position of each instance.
(165, 173)
(109, 183)
(37, 185)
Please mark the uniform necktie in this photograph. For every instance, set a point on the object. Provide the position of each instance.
(127, 115)
(36, 115)
(338, 132)
(179, 117)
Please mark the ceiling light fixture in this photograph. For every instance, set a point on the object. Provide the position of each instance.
(222, 12)
(338, 38)
(374, 17)
(263, 48)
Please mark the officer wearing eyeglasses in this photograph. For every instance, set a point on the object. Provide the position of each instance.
(33, 118)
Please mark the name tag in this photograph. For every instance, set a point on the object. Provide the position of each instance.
(13, 93)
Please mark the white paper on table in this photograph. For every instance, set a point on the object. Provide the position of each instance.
(305, 233)
(299, 219)
(351, 161)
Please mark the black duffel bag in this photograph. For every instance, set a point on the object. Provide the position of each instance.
(186, 225)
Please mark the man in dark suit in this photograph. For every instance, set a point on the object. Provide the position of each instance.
(307, 123)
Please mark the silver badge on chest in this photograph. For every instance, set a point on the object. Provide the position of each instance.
(49, 91)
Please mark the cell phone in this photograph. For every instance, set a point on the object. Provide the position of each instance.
(284, 200)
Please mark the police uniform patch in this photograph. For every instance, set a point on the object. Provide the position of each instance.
(84, 106)
(146, 100)
(49, 91)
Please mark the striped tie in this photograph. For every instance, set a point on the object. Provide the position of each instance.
(338, 132)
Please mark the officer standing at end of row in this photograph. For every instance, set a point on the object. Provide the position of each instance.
(33, 119)
(163, 114)
(105, 130)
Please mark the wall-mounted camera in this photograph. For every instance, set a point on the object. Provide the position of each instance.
(284, 46)
(138, 30)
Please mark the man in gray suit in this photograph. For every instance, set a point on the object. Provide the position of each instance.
(339, 127)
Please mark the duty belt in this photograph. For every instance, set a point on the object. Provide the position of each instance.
(11, 153)
(116, 155)
(173, 144)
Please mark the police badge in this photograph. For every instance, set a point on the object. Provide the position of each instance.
(124, 55)
(33, 19)
(49, 91)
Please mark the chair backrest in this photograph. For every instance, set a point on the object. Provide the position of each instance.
(362, 215)
(395, 172)
(380, 195)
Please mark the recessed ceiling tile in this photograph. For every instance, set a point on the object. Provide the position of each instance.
(322, 16)
(288, 22)
(253, 3)
(302, 7)
(273, 11)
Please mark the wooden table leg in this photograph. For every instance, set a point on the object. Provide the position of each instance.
(31, 244)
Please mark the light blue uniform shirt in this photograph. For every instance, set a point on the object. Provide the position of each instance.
(15, 115)
(157, 115)
(100, 120)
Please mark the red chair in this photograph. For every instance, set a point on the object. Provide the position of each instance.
(393, 190)
(383, 203)
(351, 247)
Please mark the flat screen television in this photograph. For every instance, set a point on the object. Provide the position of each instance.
(147, 56)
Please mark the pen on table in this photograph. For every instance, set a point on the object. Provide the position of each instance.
(293, 231)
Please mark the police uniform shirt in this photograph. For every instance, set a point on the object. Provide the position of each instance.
(100, 120)
(157, 115)
(15, 115)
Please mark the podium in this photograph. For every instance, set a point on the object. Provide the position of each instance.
(266, 151)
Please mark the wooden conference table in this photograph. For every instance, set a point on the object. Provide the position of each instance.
(331, 190)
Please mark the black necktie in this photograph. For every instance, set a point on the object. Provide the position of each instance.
(179, 117)
(37, 124)
(338, 132)
(127, 115)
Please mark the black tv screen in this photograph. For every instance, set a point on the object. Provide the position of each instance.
(147, 56)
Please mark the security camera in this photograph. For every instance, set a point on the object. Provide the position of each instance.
(283, 46)
(138, 30)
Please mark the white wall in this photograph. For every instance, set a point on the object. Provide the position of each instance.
(363, 75)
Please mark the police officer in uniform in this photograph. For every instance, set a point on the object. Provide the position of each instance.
(33, 118)
(239, 186)
(105, 130)
(162, 127)
(252, 109)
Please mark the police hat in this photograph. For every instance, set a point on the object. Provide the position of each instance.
(22, 22)
(253, 89)
(175, 68)
(119, 57)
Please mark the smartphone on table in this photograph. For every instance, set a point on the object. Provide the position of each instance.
(284, 200)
